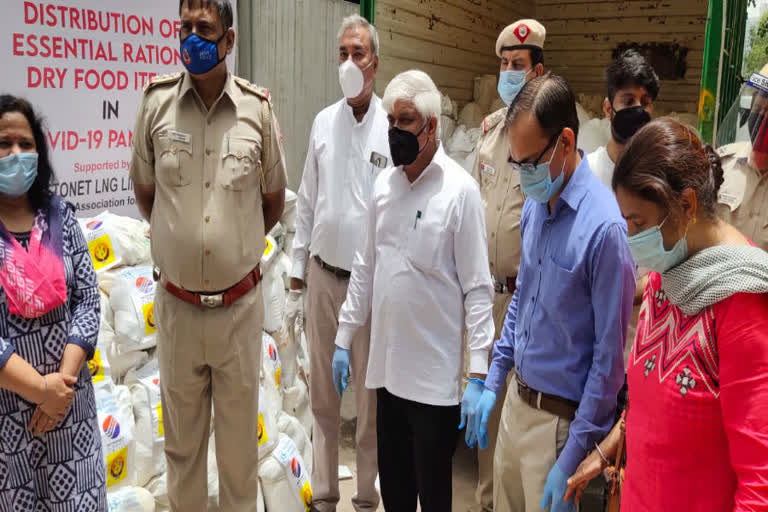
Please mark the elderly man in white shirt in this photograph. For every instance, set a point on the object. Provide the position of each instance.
(421, 278)
(348, 148)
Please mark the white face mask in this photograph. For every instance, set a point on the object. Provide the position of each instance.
(351, 79)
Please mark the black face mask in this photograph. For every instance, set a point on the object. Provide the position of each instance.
(627, 122)
(404, 145)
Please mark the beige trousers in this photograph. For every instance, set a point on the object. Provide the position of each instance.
(484, 492)
(325, 295)
(210, 356)
(527, 447)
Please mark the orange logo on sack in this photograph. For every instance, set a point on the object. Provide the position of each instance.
(101, 252)
(117, 467)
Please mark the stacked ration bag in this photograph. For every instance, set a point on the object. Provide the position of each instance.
(126, 375)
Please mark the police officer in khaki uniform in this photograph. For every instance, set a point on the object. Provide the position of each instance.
(743, 140)
(520, 47)
(209, 175)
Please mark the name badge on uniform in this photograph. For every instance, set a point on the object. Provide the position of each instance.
(179, 136)
(487, 169)
(730, 200)
(379, 160)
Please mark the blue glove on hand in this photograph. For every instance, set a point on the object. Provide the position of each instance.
(554, 490)
(340, 367)
(484, 408)
(469, 401)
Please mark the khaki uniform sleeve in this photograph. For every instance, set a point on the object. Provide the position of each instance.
(476, 165)
(275, 178)
(143, 152)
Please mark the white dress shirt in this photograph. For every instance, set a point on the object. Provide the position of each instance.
(423, 276)
(602, 165)
(337, 183)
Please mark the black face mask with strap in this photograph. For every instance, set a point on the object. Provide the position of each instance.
(404, 145)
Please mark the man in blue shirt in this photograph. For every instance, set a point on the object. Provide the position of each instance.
(565, 329)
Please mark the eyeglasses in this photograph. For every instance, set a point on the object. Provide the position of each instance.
(530, 167)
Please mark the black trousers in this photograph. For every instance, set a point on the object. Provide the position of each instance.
(416, 443)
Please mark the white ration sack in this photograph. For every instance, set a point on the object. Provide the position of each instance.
(115, 240)
(268, 429)
(472, 115)
(446, 107)
(291, 427)
(133, 298)
(115, 415)
(271, 370)
(459, 142)
(288, 220)
(447, 127)
(593, 134)
(150, 432)
(485, 91)
(99, 367)
(285, 479)
(273, 289)
(131, 499)
(296, 403)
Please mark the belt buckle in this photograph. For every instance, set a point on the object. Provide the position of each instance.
(498, 286)
(212, 301)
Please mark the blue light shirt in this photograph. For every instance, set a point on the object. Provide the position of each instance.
(565, 329)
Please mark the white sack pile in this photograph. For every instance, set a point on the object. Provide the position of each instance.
(126, 375)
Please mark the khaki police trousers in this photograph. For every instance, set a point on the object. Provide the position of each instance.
(484, 492)
(325, 295)
(210, 356)
(527, 447)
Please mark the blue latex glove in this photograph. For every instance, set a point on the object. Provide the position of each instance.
(469, 401)
(554, 490)
(484, 408)
(340, 367)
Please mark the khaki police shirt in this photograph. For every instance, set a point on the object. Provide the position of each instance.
(502, 196)
(743, 197)
(209, 168)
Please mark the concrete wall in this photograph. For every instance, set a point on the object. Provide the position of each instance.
(292, 50)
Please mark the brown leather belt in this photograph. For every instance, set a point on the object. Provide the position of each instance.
(553, 404)
(213, 300)
(338, 272)
(506, 285)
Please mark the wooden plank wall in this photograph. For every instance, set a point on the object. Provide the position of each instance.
(292, 49)
(582, 33)
(451, 40)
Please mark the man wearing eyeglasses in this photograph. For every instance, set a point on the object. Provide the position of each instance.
(520, 48)
(564, 332)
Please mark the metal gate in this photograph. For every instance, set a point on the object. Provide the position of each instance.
(723, 53)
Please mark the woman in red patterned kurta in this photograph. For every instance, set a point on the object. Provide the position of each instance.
(697, 423)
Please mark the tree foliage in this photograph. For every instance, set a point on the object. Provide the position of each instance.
(758, 51)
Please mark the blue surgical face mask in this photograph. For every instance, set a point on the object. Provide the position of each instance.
(536, 180)
(510, 84)
(648, 251)
(200, 55)
(17, 173)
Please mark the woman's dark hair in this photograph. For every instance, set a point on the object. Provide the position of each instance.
(40, 193)
(631, 68)
(666, 157)
(551, 100)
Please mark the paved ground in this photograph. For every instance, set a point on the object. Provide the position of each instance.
(464, 465)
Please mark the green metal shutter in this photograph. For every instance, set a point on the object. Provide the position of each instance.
(723, 54)
(368, 9)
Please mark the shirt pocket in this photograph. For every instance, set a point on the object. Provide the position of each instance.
(489, 175)
(173, 161)
(567, 286)
(241, 165)
(424, 243)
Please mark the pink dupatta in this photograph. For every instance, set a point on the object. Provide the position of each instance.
(34, 280)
